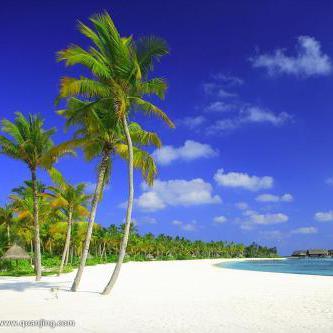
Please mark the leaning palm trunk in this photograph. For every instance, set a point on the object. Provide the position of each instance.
(38, 261)
(8, 234)
(68, 240)
(96, 197)
(67, 256)
(123, 245)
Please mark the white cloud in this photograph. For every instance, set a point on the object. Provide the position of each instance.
(304, 230)
(192, 122)
(247, 115)
(243, 180)
(217, 90)
(177, 192)
(274, 198)
(220, 219)
(185, 226)
(191, 150)
(148, 220)
(228, 80)
(255, 114)
(252, 219)
(150, 201)
(219, 106)
(324, 216)
(242, 205)
(268, 218)
(308, 61)
(329, 181)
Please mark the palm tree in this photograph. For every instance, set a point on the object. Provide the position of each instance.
(119, 67)
(100, 135)
(6, 219)
(73, 200)
(32, 144)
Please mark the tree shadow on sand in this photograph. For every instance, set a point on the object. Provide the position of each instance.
(21, 286)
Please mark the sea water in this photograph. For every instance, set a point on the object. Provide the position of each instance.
(314, 266)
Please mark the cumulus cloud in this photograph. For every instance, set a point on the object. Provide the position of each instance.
(242, 205)
(308, 61)
(248, 115)
(243, 180)
(177, 192)
(192, 122)
(324, 216)
(220, 219)
(274, 198)
(185, 226)
(304, 230)
(267, 219)
(220, 84)
(228, 80)
(220, 106)
(191, 150)
(255, 114)
(252, 219)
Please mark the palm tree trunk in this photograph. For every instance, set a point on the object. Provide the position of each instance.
(38, 261)
(123, 245)
(96, 197)
(67, 256)
(8, 234)
(67, 241)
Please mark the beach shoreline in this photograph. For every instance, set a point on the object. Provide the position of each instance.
(174, 296)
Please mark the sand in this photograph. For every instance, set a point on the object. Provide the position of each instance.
(175, 296)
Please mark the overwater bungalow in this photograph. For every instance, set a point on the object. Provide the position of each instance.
(317, 253)
(330, 253)
(299, 253)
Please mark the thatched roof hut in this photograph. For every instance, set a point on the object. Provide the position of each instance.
(299, 253)
(317, 253)
(15, 252)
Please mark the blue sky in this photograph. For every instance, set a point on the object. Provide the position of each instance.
(250, 90)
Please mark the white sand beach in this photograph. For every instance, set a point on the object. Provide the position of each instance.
(174, 296)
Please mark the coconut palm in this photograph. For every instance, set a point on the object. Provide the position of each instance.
(119, 81)
(6, 219)
(73, 200)
(100, 135)
(22, 202)
(31, 143)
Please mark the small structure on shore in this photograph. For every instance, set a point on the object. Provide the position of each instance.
(317, 253)
(16, 252)
(299, 253)
(312, 253)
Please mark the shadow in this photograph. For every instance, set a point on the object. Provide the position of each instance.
(21, 286)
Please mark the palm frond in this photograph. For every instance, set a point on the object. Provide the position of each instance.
(151, 109)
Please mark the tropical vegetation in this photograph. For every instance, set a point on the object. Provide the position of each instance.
(55, 222)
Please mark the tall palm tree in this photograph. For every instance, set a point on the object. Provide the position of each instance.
(100, 135)
(73, 200)
(31, 143)
(6, 219)
(119, 81)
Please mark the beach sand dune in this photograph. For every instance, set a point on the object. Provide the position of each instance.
(174, 296)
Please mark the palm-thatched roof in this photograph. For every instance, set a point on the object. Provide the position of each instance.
(299, 253)
(15, 252)
(317, 252)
